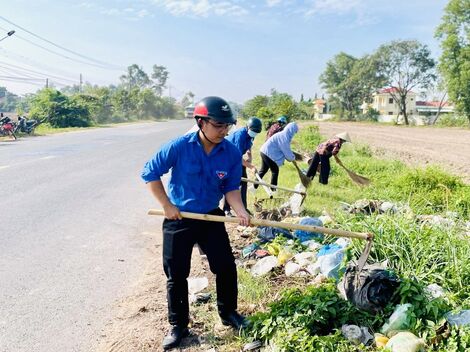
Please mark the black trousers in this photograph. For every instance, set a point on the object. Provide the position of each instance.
(243, 191)
(324, 161)
(179, 237)
(268, 164)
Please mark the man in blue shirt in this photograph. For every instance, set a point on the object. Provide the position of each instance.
(243, 138)
(204, 167)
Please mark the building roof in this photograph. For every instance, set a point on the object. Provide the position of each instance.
(391, 90)
(432, 103)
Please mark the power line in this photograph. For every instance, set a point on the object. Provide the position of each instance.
(37, 72)
(28, 61)
(99, 62)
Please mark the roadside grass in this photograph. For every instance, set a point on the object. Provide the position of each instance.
(420, 254)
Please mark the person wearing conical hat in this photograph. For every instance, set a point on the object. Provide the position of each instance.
(322, 156)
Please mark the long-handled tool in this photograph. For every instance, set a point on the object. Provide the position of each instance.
(303, 178)
(272, 186)
(360, 180)
(266, 189)
(262, 222)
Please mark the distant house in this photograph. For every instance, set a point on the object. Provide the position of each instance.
(322, 109)
(419, 112)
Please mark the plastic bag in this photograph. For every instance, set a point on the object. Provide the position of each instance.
(461, 319)
(371, 289)
(399, 320)
(307, 235)
(264, 265)
(329, 264)
(405, 342)
(267, 234)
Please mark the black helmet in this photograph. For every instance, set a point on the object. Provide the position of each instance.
(214, 108)
(254, 124)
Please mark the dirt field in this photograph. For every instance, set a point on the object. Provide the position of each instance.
(447, 147)
(140, 321)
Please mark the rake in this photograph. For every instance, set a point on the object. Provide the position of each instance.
(360, 180)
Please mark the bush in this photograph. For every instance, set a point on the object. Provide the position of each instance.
(450, 120)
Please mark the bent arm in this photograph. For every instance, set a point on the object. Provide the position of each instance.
(171, 211)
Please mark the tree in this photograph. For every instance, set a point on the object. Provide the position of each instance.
(349, 81)
(160, 77)
(50, 105)
(406, 65)
(454, 63)
(253, 105)
(135, 78)
(8, 100)
(187, 99)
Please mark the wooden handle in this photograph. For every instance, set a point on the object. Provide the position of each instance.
(262, 222)
(272, 186)
(266, 189)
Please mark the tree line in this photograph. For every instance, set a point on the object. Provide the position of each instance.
(138, 96)
(406, 65)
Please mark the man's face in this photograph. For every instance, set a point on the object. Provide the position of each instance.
(215, 131)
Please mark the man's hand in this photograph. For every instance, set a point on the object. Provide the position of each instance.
(243, 217)
(172, 212)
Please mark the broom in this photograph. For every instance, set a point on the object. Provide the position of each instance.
(360, 180)
(303, 178)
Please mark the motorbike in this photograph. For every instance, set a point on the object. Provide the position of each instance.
(7, 127)
(26, 126)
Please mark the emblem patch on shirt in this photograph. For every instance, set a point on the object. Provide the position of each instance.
(221, 174)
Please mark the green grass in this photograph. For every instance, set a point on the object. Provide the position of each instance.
(419, 254)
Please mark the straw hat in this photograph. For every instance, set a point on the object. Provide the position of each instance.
(344, 136)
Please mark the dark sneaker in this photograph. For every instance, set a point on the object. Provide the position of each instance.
(235, 320)
(173, 339)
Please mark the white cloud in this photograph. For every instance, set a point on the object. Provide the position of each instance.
(201, 8)
(272, 3)
(334, 6)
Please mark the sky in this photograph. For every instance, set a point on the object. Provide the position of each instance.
(235, 49)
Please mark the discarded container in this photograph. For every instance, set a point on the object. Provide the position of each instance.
(307, 235)
(380, 340)
(460, 319)
(305, 258)
(399, 320)
(291, 268)
(197, 284)
(356, 334)
(249, 250)
(284, 255)
(264, 265)
(405, 342)
(434, 291)
(312, 245)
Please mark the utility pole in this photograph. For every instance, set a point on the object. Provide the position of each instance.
(47, 82)
(81, 82)
(169, 90)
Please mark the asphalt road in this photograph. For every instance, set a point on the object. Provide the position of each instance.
(72, 231)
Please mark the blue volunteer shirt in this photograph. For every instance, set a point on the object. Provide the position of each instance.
(241, 139)
(198, 181)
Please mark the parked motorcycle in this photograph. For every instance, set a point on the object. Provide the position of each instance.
(26, 126)
(7, 127)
